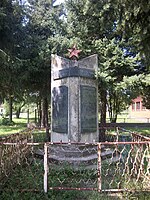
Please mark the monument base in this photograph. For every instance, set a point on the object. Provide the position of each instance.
(78, 155)
(86, 137)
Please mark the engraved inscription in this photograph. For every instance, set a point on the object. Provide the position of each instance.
(74, 72)
(88, 109)
(60, 109)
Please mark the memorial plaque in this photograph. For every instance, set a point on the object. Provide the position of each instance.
(88, 109)
(88, 73)
(74, 72)
(60, 109)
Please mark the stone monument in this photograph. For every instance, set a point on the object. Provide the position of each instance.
(74, 98)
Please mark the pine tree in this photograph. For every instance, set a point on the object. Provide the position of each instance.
(94, 25)
(10, 24)
(43, 25)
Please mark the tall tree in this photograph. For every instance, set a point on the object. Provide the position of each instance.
(135, 21)
(89, 21)
(94, 26)
(117, 60)
(10, 24)
(42, 26)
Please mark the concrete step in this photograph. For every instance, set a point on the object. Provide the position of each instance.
(85, 157)
(73, 150)
(109, 161)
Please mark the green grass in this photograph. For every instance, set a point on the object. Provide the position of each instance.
(19, 125)
(31, 177)
(7, 130)
(125, 118)
(143, 131)
(57, 195)
(27, 181)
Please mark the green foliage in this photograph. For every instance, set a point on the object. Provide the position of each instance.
(116, 62)
(135, 21)
(118, 31)
(29, 176)
(25, 63)
(7, 128)
(5, 121)
(96, 25)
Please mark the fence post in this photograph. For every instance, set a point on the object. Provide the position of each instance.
(117, 130)
(45, 168)
(99, 168)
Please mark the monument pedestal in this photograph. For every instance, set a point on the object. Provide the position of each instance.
(74, 100)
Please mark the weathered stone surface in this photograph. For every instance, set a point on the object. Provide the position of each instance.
(88, 109)
(90, 62)
(60, 109)
(76, 115)
(74, 112)
(80, 155)
(74, 72)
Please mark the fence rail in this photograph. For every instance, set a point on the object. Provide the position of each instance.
(131, 119)
(13, 153)
(122, 163)
(105, 166)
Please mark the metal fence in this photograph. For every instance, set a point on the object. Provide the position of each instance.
(14, 152)
(104, 167)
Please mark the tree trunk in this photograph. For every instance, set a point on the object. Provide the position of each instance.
(103, 103)
(10, 108)
(114, 108)
(44, 113)
(39, 113)
(18, 113)
(35, 116)
(45, 118)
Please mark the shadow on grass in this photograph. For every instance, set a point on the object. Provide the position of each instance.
(17, 126)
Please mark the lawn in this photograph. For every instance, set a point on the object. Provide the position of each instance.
(143, 131)
(29, 175)
(20, 124)
(17, 126)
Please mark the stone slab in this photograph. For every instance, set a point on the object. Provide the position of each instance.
(88, 109)
(74, 72)
(60, 109)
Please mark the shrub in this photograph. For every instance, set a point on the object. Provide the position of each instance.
(5, 121)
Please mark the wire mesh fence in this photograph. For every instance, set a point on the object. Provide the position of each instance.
(25, 172)
(122, 163)
(109, 166)
(74, 164)
(14, 152)
(128, 167)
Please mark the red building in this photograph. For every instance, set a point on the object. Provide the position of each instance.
(137, 110)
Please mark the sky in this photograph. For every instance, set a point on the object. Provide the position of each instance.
(60, 1)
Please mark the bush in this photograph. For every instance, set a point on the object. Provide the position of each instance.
(5, 121)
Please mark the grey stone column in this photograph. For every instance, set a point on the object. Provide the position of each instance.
(74, 100)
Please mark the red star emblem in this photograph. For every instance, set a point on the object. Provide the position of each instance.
(74, 52)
